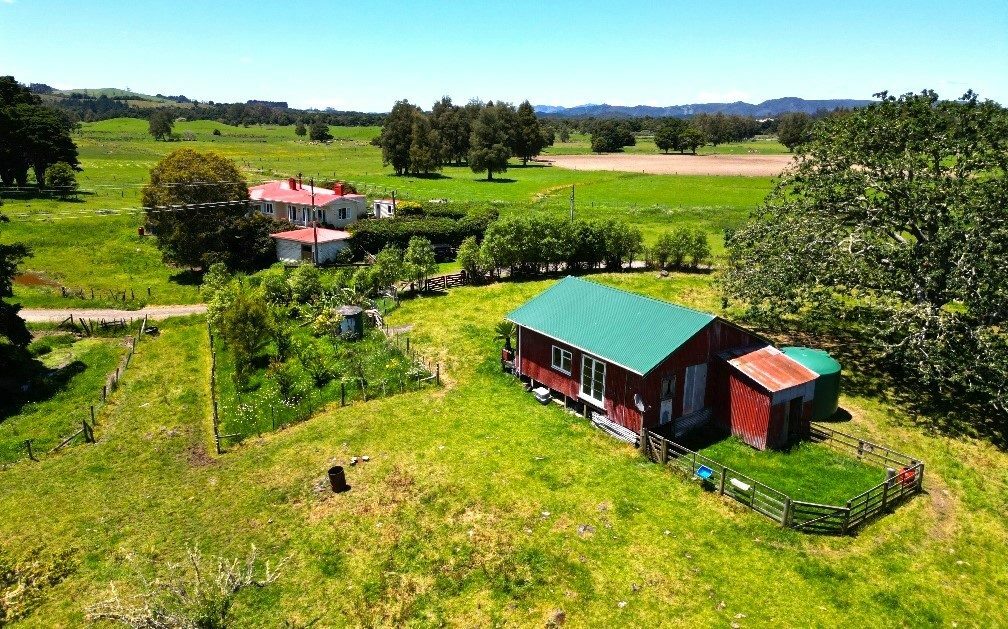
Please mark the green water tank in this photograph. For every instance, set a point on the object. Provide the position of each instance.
(827, 385)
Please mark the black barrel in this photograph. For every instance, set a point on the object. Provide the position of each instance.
(337, 478)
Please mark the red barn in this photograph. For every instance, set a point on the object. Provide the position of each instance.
(631, 361)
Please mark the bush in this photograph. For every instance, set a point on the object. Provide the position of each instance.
(469, 257)
(673, 249)
(61, 177)
(216, 132)
(275, 288)
(372, 236)
(305, 283)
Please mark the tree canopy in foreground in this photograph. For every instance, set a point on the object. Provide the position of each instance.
(895, 220)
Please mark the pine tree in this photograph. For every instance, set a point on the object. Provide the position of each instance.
(529, 137)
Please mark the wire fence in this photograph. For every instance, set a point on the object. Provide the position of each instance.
(248, 414)
(33, 448)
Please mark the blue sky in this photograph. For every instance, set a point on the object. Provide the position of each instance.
(364, 55)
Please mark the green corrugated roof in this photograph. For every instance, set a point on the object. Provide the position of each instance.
(624, 328)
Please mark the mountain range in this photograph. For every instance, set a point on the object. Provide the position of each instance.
(766, 109)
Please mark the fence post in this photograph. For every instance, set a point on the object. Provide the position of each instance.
(31, 455)
(104, 392)
(890, 473)
(920, 476)
(786, 516)
(664, 451)
(724, 472)
(342, 396)
(846, 519)
(437, 375)
(216, 430)
(92, 415)
(643, 441)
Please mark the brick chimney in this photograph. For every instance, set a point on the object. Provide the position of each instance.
(338, 189)
(292, 183)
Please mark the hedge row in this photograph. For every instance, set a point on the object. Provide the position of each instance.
(374, 235)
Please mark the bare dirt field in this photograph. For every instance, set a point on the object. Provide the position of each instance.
(745, 165)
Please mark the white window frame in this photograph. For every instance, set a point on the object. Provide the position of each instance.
(342, 214)
(266, 208)
(564, 355)
(291, 213)
(588, 365)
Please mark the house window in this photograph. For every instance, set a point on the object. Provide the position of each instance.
(266, 208)
(561, 360)
(593, 379)
(342, 214)
(292, 213)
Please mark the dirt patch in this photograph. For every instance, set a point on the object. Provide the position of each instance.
(31, 278)
(744, 165)
(154, 313)
(198, 456)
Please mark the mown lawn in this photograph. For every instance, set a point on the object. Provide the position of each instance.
(78, 372)
(480, 507)
(811, 472)
(93, 242)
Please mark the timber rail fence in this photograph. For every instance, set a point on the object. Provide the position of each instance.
(86, 430)
(899, 486)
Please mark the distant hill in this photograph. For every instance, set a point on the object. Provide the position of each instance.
(116, 93)
(766, 109)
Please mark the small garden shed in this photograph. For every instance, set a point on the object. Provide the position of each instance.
(765, 397)
(310, 244)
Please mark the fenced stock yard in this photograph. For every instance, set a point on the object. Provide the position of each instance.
(904, 479)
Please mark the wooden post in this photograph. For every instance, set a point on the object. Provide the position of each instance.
(437, 375)
(92, 415)
(920, 476)
(724, 472)
(786, 516)
(407, 345)
(643, 440)
(216, 430)
(31, 455)
(92, 292)
(104, 392)
(846, 519)
(664, 451)
(889, 475)
(342, 396)
(148, 291)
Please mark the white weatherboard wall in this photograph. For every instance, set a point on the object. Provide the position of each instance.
(290, 250)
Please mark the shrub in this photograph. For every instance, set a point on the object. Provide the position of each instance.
(372, 236)
(275, 288)
(62, 177)
(216, 132)
(305, 283)
(469, 257)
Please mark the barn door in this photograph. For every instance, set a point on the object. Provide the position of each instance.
(694, 388)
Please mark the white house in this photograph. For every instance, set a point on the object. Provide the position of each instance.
(383, 208)
(301, 205)
(299, 245)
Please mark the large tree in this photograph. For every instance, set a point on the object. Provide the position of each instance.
(794, 129)
(669, 134)
(453, 126)
(396, 136)
(160, 124)
(12, 327)
(611, 135)
(197, 237)
(530, 139)
(895, 218)
(32, 136)
(491, 139)
(425, 145)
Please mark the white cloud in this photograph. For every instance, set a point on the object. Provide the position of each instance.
(8, 1)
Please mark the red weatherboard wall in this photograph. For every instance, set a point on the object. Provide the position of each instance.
(535, 358)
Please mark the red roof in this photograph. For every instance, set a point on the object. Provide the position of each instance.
(772, 369)
(283, 192)
(307, 235)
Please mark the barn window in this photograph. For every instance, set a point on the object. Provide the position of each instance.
(593, 379)
(562, 360)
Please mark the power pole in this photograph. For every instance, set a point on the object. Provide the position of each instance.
(311, 183)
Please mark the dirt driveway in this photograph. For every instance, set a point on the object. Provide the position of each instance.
(674, 164)
(154, 313)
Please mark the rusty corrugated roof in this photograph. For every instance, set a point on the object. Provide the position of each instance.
(771, 368)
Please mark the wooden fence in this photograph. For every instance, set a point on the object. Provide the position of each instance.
(803, 516)
(86, 431)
